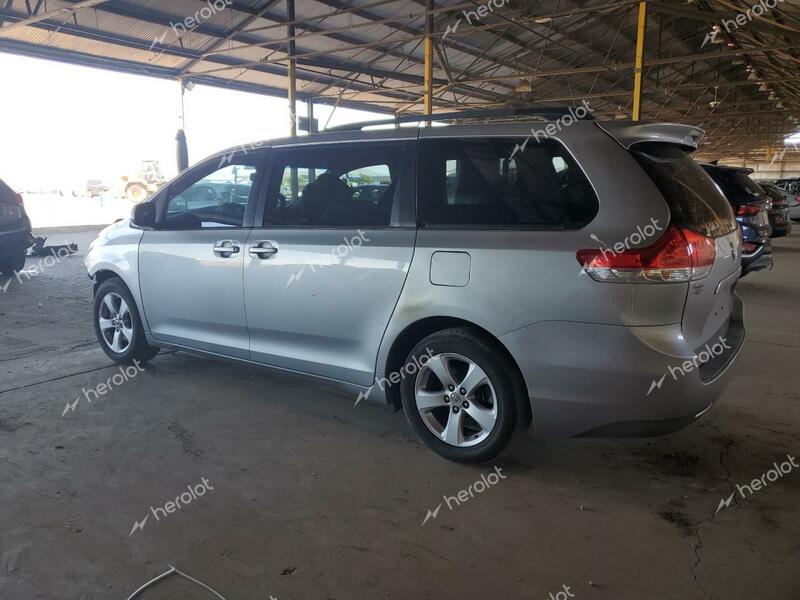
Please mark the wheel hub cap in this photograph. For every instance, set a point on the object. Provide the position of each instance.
(115, 322)
(456, 400)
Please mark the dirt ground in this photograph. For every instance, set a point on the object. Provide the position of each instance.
(306, 497)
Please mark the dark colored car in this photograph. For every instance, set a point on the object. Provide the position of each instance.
(751, 205)
(779, 213)
(15, 231)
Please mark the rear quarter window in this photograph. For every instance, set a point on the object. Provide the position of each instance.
(496, 183)
(695, 202)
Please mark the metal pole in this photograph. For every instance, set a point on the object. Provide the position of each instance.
(292, 74)
(639, 65)
(180, 137)
(428, 79)
(312, 173)
(183, 104)
(310, 114)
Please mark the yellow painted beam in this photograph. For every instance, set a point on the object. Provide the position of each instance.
(428, 82)
(639, 64)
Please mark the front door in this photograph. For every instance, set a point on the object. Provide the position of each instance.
(325, 268)
(191, 264)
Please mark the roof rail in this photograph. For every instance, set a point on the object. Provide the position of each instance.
(549, 112)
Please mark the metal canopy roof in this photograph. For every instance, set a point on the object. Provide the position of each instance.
(738, 79)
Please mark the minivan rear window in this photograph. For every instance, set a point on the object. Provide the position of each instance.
(737, 185)
(502, 183)
(694, 200)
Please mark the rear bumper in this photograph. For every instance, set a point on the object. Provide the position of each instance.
(15, 240)
(614, 381)
(758, 260)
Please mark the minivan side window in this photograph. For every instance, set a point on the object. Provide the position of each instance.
(496, 183)
(334, 185)
(216, 199)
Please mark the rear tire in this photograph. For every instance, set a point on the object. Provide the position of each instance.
(12, 263)
(462, 402)
(118, 326)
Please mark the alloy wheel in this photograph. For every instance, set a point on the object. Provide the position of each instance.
(456, 400)
(116, 324)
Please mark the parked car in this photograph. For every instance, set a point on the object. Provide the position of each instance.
(779, 219)
(15, 231)
(95, 188)
(582, 282)
(751, 205)
(791, 185)
(794, 203)
(792, 189)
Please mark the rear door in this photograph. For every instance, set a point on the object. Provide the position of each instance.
(325, 266)
(191, 265)
(696, 203)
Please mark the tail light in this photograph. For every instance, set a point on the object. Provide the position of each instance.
(679, 255)
(749, 248)
(19, 200)
(797, 199)
(747, 210)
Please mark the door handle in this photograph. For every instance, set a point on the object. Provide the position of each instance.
(263, 250)
(226, 248)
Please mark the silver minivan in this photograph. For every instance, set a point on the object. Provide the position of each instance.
(569, 277)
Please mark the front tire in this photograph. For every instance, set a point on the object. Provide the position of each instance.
(136, 192)
(118, 326)
(12, 263)
(461, 402)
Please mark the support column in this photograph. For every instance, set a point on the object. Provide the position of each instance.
(637, 81)
(292, 92)
(180, 137)
(310, 114)
(428, 79)
(312, 173)
(292, 70)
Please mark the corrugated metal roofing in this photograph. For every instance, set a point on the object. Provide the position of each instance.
(738, 79)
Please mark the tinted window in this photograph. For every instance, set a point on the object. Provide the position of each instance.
(694, 201)
(492, 183)
(214, 200)
(334, 185)
(7, 195)
(737, 185)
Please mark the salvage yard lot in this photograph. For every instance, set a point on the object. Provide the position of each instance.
(308, 497)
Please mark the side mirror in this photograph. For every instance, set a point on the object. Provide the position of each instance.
(143, 215)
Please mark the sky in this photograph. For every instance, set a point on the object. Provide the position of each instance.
(65, 124)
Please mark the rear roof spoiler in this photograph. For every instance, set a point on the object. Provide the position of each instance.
(629, 133)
